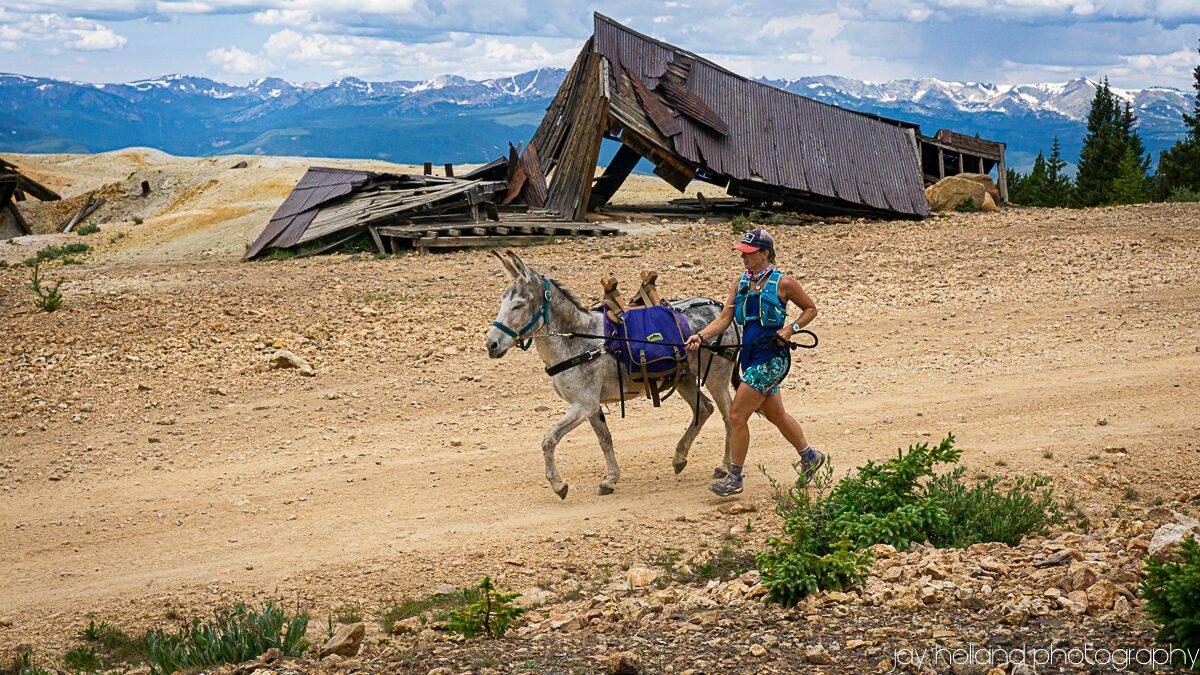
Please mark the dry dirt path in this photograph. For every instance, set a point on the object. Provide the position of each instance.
(147, 459)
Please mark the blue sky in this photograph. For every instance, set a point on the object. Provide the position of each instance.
(1135, 43)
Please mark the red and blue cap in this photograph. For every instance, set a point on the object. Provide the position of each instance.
(755, 240)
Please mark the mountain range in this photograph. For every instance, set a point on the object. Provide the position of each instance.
(451, 118)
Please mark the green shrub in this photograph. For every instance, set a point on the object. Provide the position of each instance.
(137, 220)
(1172, 593)
(741, 224)
(1184, 194)
(826, 527)
(49, 298)
(234, 635)
(968, 206)
(439, 606)
(349, 614)
(57, 253)
(85, 230)
(490, 614)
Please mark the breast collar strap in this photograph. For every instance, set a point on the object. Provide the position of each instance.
(520, 337)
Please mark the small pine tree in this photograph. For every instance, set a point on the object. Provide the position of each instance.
(1035, 183)
(1058, 183)
(1129, 185)
(1016, 186)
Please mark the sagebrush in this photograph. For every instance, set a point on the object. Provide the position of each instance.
(827, 527)
(1171, 589)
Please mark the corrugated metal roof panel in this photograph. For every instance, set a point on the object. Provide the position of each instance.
(316, 187)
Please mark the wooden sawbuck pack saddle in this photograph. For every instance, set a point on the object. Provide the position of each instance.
(646, 338)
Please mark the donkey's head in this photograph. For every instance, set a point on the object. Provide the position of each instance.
(520, 307)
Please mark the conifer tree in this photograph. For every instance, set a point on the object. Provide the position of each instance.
(1129, 187)
(1103, 149)
(1034, 186)
(1179, 166)
(1058, 183)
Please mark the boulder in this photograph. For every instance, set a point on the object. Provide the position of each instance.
(1101, 597)
(818, 656)
(282, 358)
(989, 205)
(346, 641)
(624, 663)
(1079, 577)
(405, 626)
(1167, 538)
(640, 577)
(952, 191)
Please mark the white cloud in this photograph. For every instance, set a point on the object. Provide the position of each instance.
(237, 61)
(284, 17)
(367, 56)
(71, 32)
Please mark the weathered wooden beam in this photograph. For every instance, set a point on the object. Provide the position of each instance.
(614, 176)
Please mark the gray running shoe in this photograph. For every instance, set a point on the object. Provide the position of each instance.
(811, 462)
(728, 486)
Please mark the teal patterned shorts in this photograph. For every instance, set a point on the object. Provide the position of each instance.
(766, 377)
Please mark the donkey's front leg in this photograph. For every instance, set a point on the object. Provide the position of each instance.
(610, 457)
(574, 417)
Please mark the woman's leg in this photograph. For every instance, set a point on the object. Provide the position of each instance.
(745, 402)
(772, 409)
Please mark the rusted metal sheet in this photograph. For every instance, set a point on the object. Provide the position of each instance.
(773, 137)
(318, 186)
(655, 110)
(689, 104)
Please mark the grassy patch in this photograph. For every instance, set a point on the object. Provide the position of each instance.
(826, 527)
(90, 228)
(436, 607)
(968, 206)
(57, 253)
(349, 614)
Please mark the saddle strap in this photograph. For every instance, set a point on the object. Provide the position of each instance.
(580, 359)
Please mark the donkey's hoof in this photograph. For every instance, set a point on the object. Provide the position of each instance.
(679, 466)
(562, 494)
(604, 490)
(720, 472)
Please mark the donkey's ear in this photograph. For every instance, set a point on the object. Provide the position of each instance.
(519, 265)
(509, 270)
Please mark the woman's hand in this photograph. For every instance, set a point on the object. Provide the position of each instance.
(693, 342)
(784, 336)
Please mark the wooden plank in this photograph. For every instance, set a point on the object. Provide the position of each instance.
(455, 242)
(536, 191)
(16, 214)
(614, 176)
(378, 241)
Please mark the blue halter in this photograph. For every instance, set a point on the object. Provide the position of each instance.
(543, 315)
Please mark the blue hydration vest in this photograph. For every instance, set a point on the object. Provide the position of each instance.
(771, 311)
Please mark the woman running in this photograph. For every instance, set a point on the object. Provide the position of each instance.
(758, 302)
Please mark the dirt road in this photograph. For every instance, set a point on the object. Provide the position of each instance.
(148, 460)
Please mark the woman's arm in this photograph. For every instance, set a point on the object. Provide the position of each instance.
(718, 324)
(791, 291)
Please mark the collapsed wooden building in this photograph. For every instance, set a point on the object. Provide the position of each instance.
(14, 187)
(329, 207)
(694, 120)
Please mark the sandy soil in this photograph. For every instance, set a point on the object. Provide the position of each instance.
(149, 461)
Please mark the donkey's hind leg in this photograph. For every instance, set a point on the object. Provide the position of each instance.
(600, 426)
(686, 386)
(574, 417)
(718, 385)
